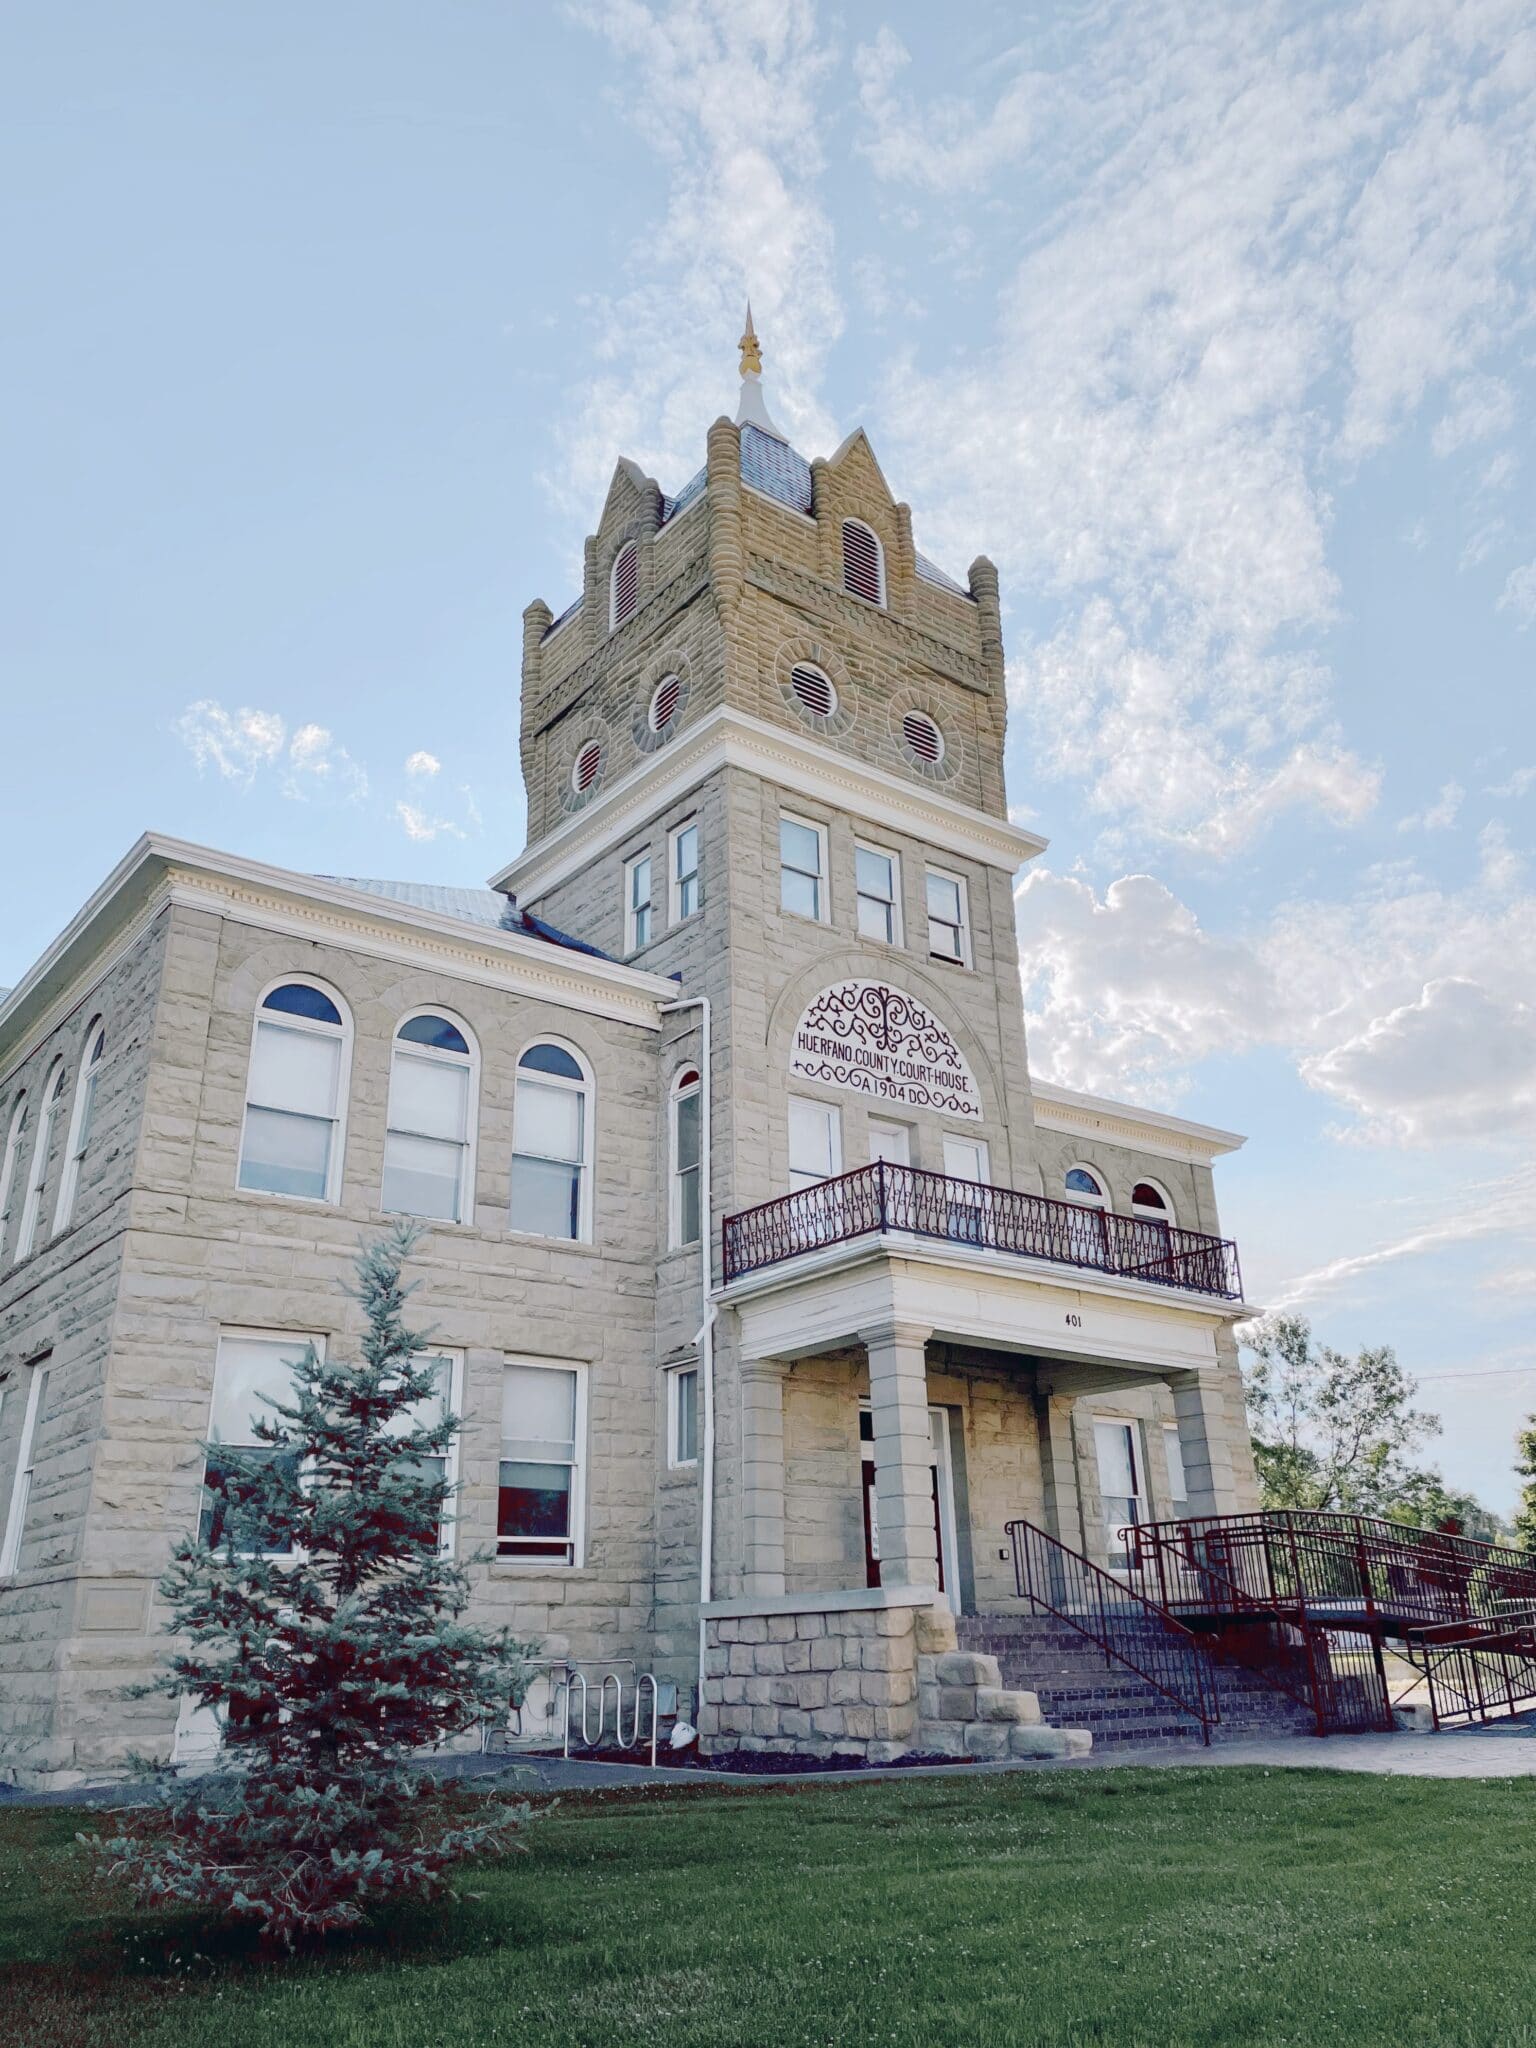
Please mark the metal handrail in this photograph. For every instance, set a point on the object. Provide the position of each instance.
(1129, 1628)
(884, 1196)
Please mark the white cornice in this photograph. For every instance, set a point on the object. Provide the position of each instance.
(1121, 1123)
(156, 868)
(735, 739)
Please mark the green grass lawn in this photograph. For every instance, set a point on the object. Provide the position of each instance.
(1124, 1909)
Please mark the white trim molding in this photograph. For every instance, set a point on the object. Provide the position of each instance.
(799, 763)
(1120, 1123)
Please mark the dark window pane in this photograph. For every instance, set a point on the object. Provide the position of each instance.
(551, 1059)
(533, 1501)
(235, 1504)
(434, 1031)
(299, 1000)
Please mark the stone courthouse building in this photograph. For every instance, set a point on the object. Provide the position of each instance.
(768, 1286)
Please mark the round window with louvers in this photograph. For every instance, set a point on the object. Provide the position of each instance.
(814, 692)
(923, 740)
(665, 699)
(587, 767)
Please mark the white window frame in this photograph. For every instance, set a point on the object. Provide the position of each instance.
(241, 1332)
(864, 527)
(676, 914)
(333, 1177)
(823, 880)
(1099, 1202)
(578, 1536)
(14, 1131)
(834, 1116)
(1113, 1549)
(681, 1091)
(411, 1049)
(614, 621)
(632, 939)
(983, 1156)
(587, 1087)
(453, 1400)
(897, 937)
(42, 1145)
(675, 1374)
(21, 1478)
(1166, 1215)
(948, 875)
(92, 1052)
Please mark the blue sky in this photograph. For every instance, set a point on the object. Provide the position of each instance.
(1212, 326)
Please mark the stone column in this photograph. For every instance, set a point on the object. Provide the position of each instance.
(762, 1475)
(898, 1396)
(1206, 1426)
(1058, 1469)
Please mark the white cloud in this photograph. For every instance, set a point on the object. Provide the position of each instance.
(1516, 785)
(236, 743)
(1286, 231)
(725, 93)
(1519, 595)
(419, 826)
(422, 763)
(1480, 407)
(1438, 816)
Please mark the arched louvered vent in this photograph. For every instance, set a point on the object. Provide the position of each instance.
(624, 588)
(923, 739)
(813, 689)
(664, 702)
(863, 563)
(587, 766)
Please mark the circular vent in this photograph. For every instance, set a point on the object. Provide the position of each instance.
(664, 702)
(813, 689)
(587, 766)
(923, 738)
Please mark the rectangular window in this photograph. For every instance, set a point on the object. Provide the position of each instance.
(947, 935)
(426, 1145)
(21, 1485)
(291, 1112)
(966, 1158)
(1119, 1482)
(1173, 1449)
(253, 1370)
(637, 902)
(878, 875)
(803, 868)
(890, 1141)
(683, 1416)
(815, 1143)
(683, 866)
(447, 1367)
(549, 1164)
(686, 1221)
(538, 1503)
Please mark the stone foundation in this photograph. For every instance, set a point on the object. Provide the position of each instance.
(870, 1676)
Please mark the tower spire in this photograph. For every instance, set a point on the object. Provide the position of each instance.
(753, 409)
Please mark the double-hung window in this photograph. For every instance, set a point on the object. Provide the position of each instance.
(294, 1098)
(254, 1370)
(42, 1145)
(683, 1416)
(878, 875)
(637, 902)
(447, 1373)
(815, 1142)
(15, 1130)
(685, 1220)
(80, 1124)
(539, 1484)
(429, 1143)
(803, 868)
(947, 935)
(552, 1144)
(683, 868)
(21, 1483)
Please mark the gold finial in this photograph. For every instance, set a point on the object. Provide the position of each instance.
(751, 354)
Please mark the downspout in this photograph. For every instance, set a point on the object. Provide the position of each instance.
(704, 1337)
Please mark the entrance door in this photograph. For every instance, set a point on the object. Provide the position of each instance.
(943, 1502)
(1120, 1483)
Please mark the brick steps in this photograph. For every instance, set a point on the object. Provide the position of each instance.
(1074, 1685)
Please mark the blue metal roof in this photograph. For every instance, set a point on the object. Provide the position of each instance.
(932, 573)
(487, 908)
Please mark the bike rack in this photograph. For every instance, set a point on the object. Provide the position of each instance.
(590, 1740)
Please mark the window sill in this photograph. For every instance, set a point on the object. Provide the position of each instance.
(534, 1568)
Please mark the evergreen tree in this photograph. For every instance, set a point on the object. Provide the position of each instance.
(1525, 1467)
(318, 1615)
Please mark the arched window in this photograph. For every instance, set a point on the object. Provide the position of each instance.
(296, 1094)
(14, 1131)
(1084, 1187)
(863, 562)
(552, 1144)
(624, 585)
(31, 1208)
(80, 1122)
(686, 1221)
(429, 1142)
(1150, 1200)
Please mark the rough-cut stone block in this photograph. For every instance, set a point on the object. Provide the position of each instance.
(893, 1621)
(797, 1656)
(884, 1654)
(769, 1658)
(1049, 1742)
(828, 1721)
(964, 1667)
(860, 1722)
(741, 1660)
(783, 1692)
(940, 1738)
(935, 1631)
(752, 1628)
(957, 1702)
(996, 1703)
(928, 1700)
(781, 1628)
(981, 1739)
(809, 1626)
(885, 1752)
(796, 1724)
(827, 1655)
(844, 1686)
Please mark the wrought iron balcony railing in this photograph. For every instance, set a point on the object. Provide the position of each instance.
(886, 1197)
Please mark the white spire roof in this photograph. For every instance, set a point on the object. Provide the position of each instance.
(753, 409)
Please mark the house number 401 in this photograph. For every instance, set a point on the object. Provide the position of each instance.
(1074, 1322)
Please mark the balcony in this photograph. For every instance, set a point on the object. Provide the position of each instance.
(883, 1197)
